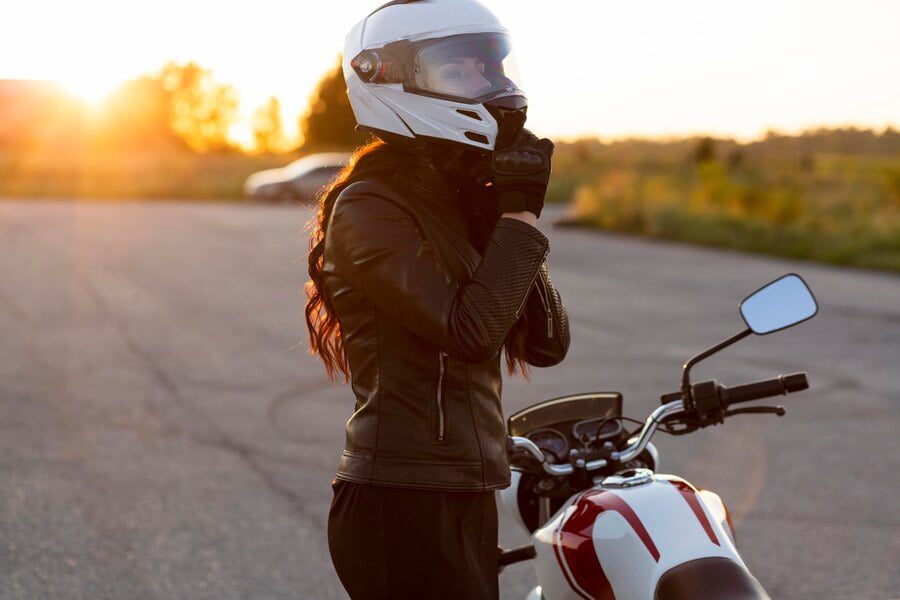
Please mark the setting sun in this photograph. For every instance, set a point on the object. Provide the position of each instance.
(610, 70)
(93, 90)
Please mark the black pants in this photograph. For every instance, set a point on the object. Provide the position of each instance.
(389, 542)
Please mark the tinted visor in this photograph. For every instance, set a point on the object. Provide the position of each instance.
(469, 67)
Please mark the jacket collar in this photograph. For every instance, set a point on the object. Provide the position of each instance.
(445, 220)
(431, 182)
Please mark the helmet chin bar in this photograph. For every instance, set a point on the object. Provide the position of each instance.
(501, 108)
(423, 143)
(465, 160)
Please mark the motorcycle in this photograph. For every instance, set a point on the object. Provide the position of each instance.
(604, 524)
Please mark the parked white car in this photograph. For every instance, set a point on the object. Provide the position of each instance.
(300, 180)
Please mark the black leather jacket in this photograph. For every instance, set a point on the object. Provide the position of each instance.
(423, 317)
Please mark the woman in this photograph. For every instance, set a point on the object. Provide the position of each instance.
(425, 263)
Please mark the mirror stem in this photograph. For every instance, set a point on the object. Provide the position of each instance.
(686, 373)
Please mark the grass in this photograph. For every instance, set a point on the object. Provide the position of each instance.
(838, 209)
(182, 175)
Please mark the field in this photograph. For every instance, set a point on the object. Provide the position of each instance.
(133, 175)
(834, 207)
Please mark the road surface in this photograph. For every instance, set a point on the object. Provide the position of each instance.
(163, 432)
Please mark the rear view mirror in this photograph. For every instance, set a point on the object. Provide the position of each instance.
(778, 305)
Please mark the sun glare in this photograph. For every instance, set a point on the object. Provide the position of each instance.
(799, 77)
(92, 91)
(241, 134)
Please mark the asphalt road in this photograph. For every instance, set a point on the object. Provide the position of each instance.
(164, 434)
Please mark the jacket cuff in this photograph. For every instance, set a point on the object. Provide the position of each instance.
(523, 227)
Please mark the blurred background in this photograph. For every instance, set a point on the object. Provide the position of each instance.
(771, 129)
(165, 433)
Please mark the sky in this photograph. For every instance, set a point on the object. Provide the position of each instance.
(650, 68)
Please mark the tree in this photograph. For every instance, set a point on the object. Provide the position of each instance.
(202, 109)
(328, 123)
(176, 106)
(268, 132)
(138, 115)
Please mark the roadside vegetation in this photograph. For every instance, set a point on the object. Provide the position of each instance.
(831, 196)
(142, 175)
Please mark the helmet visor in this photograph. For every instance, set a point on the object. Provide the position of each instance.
(469, 67)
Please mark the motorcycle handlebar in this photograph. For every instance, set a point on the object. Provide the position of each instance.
(633, 449)
(781, 385)
(778, 386)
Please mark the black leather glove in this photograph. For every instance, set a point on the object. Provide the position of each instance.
(520, 168)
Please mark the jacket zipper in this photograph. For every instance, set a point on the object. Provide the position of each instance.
(531, 283)
(440, 392)
(544, 295)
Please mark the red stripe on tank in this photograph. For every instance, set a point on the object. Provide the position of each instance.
(574, 543)
(690, 496)
(557, 542)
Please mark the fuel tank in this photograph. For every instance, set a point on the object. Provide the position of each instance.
(618, 538)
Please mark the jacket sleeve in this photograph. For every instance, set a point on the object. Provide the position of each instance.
(547, 337)
(379, 249)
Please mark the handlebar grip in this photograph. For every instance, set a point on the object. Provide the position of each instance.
(795, 382)
(779, 386)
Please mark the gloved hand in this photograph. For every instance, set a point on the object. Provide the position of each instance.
(520, 167)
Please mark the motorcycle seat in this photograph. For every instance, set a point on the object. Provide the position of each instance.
(714, 578)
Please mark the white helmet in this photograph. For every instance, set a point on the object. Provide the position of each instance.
(431, 70)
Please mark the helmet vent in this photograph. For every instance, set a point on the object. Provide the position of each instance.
(469, 113)
(476, 137)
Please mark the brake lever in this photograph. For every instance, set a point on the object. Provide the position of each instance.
(758, 410)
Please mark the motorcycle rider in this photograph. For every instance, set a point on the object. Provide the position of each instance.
(425, 262)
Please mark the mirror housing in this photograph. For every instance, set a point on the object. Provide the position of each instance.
(778, 305)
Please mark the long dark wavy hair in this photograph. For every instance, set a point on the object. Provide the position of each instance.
(391, 164)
